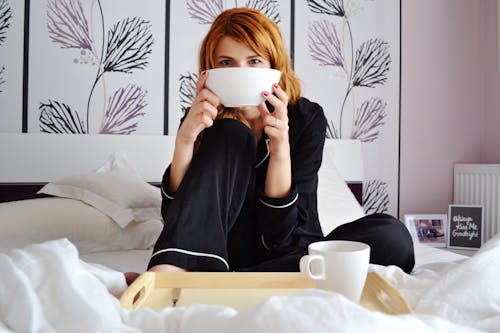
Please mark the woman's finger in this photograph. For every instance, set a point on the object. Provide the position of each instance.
(202, 78)
(269, 120)
(281, 94)
(203, 94)
(279, 101)
(276, 133)
(209, 105)
(264, 112)
(207, 119)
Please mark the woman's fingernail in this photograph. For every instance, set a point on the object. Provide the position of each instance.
(275, 85)
(204, 73)
(265, 94)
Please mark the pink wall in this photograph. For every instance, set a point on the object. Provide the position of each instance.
(491, 144)
(450, 97)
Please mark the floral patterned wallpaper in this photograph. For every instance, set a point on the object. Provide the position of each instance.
(348, 54)
(91, 66)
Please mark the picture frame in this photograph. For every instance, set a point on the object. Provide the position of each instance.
(428, 229)
(465, 228)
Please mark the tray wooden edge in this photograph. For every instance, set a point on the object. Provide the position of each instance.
(378, 293)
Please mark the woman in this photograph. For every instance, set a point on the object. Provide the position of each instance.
(240, 193)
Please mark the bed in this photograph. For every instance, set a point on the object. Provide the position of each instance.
(78, 211)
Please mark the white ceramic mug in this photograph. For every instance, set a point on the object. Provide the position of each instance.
(339, 266)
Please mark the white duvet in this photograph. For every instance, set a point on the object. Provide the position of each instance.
(47, 288)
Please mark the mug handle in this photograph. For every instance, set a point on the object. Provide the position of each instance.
(305, 266)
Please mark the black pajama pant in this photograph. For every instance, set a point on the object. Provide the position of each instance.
(210, 226)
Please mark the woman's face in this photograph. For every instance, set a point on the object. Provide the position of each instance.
(230, 53)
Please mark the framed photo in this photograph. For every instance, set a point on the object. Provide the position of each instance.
(466, 226)
(429, 229)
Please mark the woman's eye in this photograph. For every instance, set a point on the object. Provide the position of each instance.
(255, 61)
(225, 62)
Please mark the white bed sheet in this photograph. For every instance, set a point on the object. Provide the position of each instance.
(425, 255)
(47, 288)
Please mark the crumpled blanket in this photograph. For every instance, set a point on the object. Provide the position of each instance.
(47, 288)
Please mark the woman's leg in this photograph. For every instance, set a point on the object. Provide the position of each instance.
(208, 200)
(389, 239)
(288, 262)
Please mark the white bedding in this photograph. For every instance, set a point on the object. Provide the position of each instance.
(47, 288)
(425, 255)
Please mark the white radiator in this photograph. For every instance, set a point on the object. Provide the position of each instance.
(479, 184)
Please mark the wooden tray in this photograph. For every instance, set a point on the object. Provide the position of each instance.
(242, 290)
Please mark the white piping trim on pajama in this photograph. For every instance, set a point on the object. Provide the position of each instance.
(282, 206)
(263, 242)
(267, 155)
(165, 193)
(199, 254)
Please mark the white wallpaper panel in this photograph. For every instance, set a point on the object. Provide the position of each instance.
(11, 65)
(96, 67)
(348, 56)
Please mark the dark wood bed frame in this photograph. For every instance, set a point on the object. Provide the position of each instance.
(24, 191)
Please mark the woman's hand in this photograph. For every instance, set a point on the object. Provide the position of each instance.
(279, 171)
(200, 116)
(276, 124)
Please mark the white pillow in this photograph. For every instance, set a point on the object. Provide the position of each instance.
(116, 189)
(30, 221)
(336, 202)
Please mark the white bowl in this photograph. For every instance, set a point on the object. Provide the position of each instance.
(241, 86)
